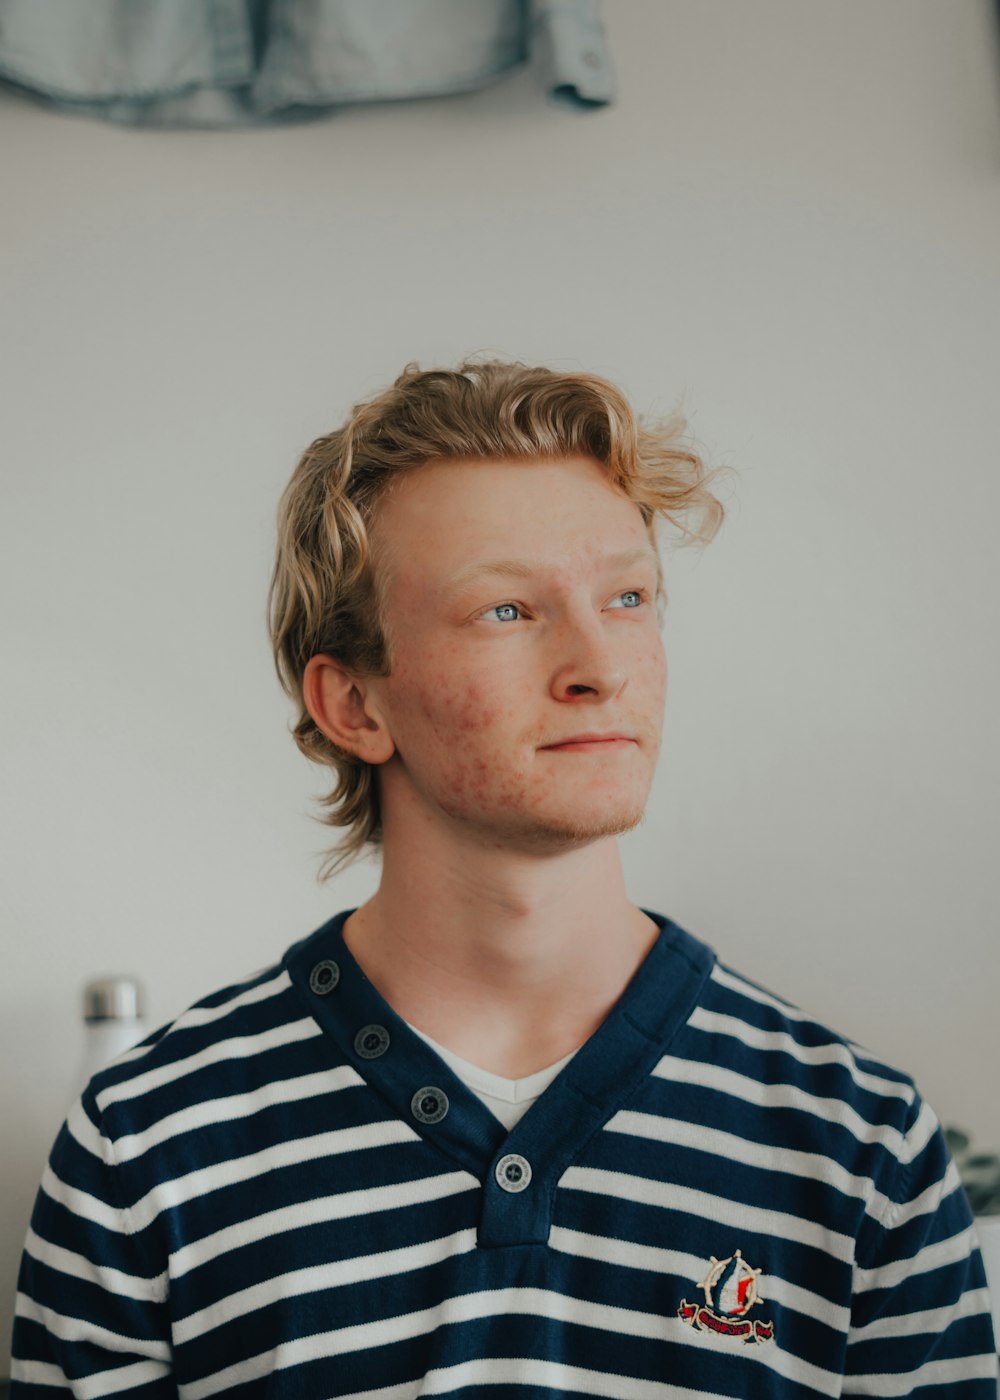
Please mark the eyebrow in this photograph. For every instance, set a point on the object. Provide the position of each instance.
(520, 568)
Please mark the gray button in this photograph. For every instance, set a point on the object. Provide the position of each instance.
(592, 58)
(513, 1172)
(429, 1105)
(324, 977)
(371, 1041)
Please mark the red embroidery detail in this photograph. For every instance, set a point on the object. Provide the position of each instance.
(707, 1321)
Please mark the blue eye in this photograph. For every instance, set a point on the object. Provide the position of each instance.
(501, 607)
(509, 612)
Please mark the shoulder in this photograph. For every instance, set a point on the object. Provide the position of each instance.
(229, 1042)
(241, 1007)
(769, 1052)
(764, 1020)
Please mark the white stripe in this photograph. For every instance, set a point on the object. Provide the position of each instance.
(924, 1127)
(38, 1373)
(78, 1331)
(122, 1378)
(738, 984)
(95, 1385)
(205, 1015)
(235, 1106)
(735, 983)
(555, 1377)
(780, 1095)
(530, 1302)
(718, 1023)
(451, 1311)
(66, 1261)
(318, 1278)
(82, 1204)
(367, 1201)
(814, 1166)
(167, 1195)
(716, 1210)
(770, 1356)
(628, 1255)
(934, 1256)
(959, 1368)
(932, 1320)
(238, 1047)
(88, 1134)
(929, 1199)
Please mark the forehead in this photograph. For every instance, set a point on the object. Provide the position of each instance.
(442, 518)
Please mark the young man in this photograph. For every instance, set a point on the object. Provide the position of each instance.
(497, 1132)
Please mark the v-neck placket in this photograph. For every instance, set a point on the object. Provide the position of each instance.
(519, 1169)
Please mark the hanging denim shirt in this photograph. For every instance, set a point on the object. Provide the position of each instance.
(236, 62)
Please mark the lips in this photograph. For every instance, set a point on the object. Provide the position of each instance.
(575, 739)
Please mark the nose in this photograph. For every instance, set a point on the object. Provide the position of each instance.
(588, 667)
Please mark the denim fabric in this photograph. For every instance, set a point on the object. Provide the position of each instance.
(236, 62)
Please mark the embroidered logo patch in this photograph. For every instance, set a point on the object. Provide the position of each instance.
(730, 1289)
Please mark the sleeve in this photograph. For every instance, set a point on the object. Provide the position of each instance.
(921, 1322)
(570, 50)
(90, 1316)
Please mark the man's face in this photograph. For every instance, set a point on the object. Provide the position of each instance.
(490, 669)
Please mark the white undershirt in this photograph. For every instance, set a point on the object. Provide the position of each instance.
(507, 1099)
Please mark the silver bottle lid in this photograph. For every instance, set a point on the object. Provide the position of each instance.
(113, 999)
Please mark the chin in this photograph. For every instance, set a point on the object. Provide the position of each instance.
(575, 829)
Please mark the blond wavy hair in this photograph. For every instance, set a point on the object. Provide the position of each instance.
(327, 590)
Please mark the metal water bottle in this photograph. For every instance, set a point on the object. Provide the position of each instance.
(113, 1019)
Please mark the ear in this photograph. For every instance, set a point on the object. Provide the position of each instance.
(344, 709)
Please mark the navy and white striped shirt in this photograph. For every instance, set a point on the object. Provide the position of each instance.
(288, 1193)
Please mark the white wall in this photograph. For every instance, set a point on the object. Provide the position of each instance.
(792, 217)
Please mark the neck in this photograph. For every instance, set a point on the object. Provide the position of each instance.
(508, 959)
